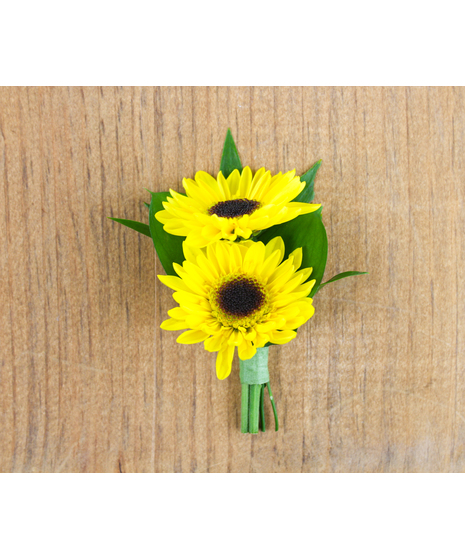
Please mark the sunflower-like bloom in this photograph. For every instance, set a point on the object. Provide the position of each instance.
(228, 208)
(239, 294)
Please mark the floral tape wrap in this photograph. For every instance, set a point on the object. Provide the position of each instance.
(255, 370)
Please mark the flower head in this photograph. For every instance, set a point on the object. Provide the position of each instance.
(239, 294)
(228, 208)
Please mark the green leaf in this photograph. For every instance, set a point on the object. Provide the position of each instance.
(135, 225)
(147, 205)
(168, 246)
(308, 193)
(309, 233)
(230, 158)
(341, 276)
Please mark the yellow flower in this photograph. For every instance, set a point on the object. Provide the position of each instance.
(228, 208)
(239, 294)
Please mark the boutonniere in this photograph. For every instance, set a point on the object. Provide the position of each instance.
(244, 253)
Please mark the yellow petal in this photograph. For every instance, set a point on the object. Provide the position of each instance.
(243, 232)
(293, 282)
(282, 274)
(260, 186)
(212, 327)
(304, 207)
(223, 255)
(269, 265)
(162, 216)
(282, 301)
(274, 244)
(299, 320)
(197, 320)
(306, 308)
(236, 338)
(224, 362)
(205, 181)
(305, 288)
(297, 254)
(305, 272)
(223, 186)
(275, 178)
(246, 350)
(287, 312)
(254, 257)
(282, 337)
(178, 212)
(234, 256)
(214, 343)
(192, 336)
(204, 187)
(216, 260)
(212, 233)
(233, 182)
(188, 203)
(265, 327)
(208, 267)
(191, 303)
(190, 252)
(250, 335)
(177, 313)
(195, 238)
(173, 325)
(244, 184)
(193, 280)
(200, 276)
(257, 176)
(258, 224)
(284, 190)
(261, 340)
(175, 283)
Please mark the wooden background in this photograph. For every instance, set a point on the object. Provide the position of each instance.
(89, 383)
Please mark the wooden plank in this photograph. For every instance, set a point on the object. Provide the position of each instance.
(89, 383)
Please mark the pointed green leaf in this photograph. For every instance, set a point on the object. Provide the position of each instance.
(135, 225)
(308, 193)
(168, 246)
(230, 158)
(147, 205)
(308, 232)
(341, 276)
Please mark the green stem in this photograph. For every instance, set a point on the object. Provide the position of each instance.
(245, 409)
(276, 423)
(254, 377)
(254, 407)
(262, 408)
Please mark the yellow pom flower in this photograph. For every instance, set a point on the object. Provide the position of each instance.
(240, 295)
(228, 208)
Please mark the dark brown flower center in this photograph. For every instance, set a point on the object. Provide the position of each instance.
(240, 297)
(234, 208)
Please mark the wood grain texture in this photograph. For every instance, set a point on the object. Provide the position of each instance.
(89, 383)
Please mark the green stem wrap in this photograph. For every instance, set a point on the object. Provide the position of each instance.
(254, 377)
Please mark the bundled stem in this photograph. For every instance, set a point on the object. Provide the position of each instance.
(254, 378)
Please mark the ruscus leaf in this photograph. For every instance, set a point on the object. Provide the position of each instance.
(309, 233)
(308, 193)
(135, 225)
(341, 276)
(230, 158)
(167, 246)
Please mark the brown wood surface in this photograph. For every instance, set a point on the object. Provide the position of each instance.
(89, 383)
